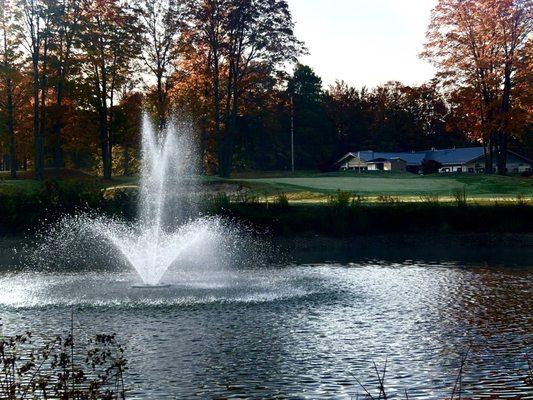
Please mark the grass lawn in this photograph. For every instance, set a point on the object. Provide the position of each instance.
(405, 186)
(311, 187)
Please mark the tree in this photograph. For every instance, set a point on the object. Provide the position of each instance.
(161, 24)
(483, 45)
(37, 17)
(110, 38)
(10, 62)
(241, 37)
(66, 15)
(314, 135)
(126, 127)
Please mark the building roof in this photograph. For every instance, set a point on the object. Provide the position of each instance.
(381, 159)
(455, 156)
(369, 155)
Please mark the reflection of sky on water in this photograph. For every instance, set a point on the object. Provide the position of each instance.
(296, 331)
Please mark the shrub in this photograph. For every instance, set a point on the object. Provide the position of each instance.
(282, 201)
(520, 200)
(29, 370)
(460, 197)
(340, 200)
(218, 203)
(388, 199)
(247, 198)
(431, 199)
(357, 200)
(122, 202)
(23, 208)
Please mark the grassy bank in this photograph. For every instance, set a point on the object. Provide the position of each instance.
(307, 187)
(342, 216)
(367, 203)
(28, 206)
(314, 187)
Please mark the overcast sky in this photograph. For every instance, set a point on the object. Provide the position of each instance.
(364, 42)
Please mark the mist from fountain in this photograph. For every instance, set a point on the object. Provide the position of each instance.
(166, 229)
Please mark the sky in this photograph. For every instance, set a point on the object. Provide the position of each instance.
(364, 42)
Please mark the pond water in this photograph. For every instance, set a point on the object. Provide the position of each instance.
(310, 327)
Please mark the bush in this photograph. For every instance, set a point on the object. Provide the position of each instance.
(432, 199)
(282, 201)
(29, 370)
(218, 203)
(21, 209)
(460, 197)
(340, 218)
(388, 199)
(122, 202)
(340, 200)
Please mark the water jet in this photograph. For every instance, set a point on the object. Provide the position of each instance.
(168, 229)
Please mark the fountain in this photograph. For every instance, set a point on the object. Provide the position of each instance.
(167, 227)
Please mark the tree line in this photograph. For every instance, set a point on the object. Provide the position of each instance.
(76, 75)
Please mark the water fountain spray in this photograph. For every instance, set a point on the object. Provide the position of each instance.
(166, 228)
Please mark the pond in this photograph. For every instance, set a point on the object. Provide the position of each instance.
(308, 327)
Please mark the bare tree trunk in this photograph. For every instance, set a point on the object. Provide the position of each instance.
(58, 125)
(37, 139)
(231, 132)
(10, 111)
(503, 135)
(126, 161)
(161, 120)
(216, 110)
(104, 141)
(109, 172)
(489, 163)
(44, 88)
(103, 122)
(11, 130)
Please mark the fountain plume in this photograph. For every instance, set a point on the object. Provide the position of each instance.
(166, 229)
(169, 241)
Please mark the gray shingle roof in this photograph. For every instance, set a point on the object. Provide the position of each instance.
(445, 156)
(409, 158)
(455, 156)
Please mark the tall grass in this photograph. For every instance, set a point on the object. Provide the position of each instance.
(460, 197)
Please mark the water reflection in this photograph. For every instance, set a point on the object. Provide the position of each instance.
(300, 330)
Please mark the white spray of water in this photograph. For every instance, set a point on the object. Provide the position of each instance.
(154, 243)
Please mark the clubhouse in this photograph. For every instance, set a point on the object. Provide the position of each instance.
(468, 159)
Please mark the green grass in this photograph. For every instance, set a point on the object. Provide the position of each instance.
(403, 185)
(310, 186)
(22, 185)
